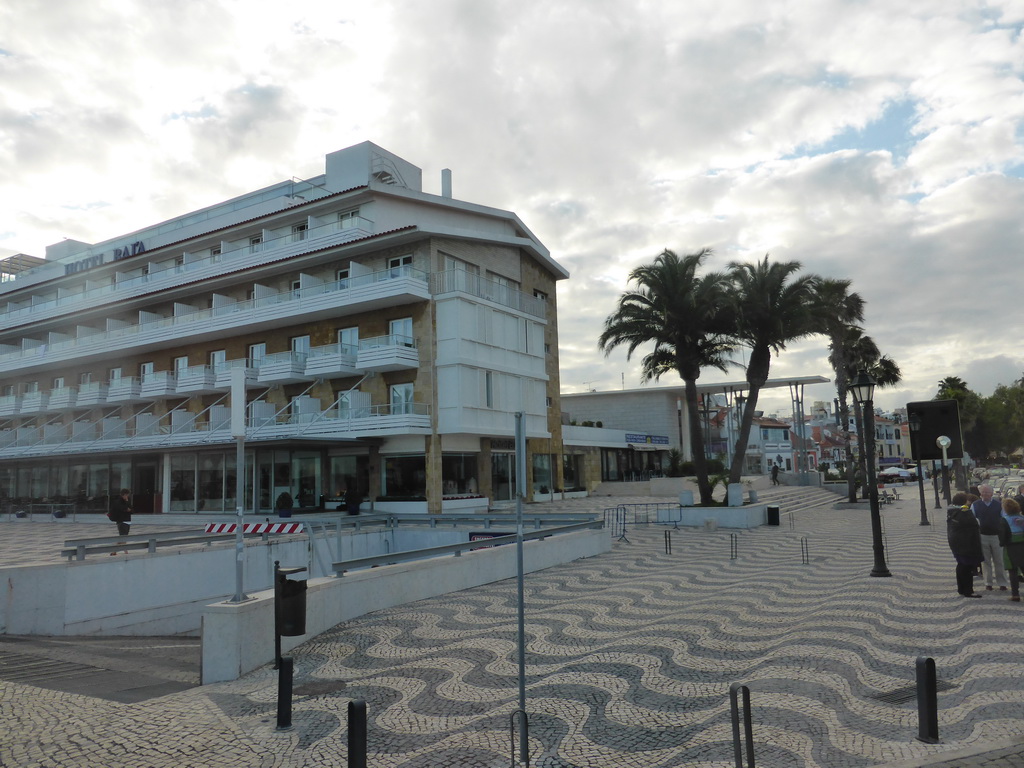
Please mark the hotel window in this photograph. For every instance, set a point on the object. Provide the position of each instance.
(401, 398)
(401, 331)
(256, 244)
(114, 375)
(145, 369)
(300, 345)
(180, 364)
(85, 378)
(399, 265)
(7, 390)
(295, 286)
(299, 232)
(31, 387)
(217, 359)
(540, 295)
(348, 340)
(215, 252)
(256, 353)
(489, 389)
(342, 277)
(348, 219)
(58, 383)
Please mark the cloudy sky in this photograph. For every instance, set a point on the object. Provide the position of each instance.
(870, 140)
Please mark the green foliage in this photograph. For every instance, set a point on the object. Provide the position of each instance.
(675, 463)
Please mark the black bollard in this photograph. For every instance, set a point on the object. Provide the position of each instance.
(284, 694)
(357, 734)
(927, 701)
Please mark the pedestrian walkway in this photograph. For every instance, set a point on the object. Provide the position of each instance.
(629, 660)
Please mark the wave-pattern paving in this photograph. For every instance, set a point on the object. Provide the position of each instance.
(630, 655)
(629, 659)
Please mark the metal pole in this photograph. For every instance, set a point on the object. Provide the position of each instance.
(915, 430)
(935, 485)
(277, 614)
(880, 568)
(524, 752)
(284, 694)
(927, 701)
(238, 432)
(357, 734)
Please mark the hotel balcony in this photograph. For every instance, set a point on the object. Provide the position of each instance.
(269, 309)
(197, 380)
(223, 373)
(34, 402)
(282, 368)
(166, 274)
(180, 428)
(332, 362)
(157, 384)
(63, 398)
(388, 353)
(127, 389)
(93, 393)
(10, 405)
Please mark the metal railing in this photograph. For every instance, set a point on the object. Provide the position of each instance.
(341, 567)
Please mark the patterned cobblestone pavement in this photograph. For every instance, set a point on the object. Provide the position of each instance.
(629, 660)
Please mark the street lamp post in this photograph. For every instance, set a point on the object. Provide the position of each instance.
(915, 430)
(944, 442)
(864, 391)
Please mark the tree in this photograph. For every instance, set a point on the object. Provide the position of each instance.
(686, 317)
(772, 308)
(839, 310)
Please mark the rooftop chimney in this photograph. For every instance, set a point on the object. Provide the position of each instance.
(446, 182)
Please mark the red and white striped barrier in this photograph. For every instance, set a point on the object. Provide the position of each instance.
(254, 527)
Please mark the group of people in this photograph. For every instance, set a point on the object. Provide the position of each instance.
(984, 531)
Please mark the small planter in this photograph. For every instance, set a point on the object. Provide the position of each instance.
(284, 513)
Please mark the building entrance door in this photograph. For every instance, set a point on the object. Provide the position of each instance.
(144, 488)
(503, 476)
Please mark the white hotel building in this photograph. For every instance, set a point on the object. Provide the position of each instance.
(387, 338)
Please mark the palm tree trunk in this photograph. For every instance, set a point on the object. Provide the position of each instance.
(743, 438)
(700, 459)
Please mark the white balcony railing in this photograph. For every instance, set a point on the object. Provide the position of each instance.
(371, 288)
(163, 275)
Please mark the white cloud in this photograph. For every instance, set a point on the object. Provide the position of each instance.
(615, 128)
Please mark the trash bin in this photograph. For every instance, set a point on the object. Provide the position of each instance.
(289, 603)
(773, 514)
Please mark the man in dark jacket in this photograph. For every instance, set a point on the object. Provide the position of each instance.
(989, 512)
(965, 543)
(121, 513)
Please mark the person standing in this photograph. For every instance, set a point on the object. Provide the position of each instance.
(775, 474)
(965, 543)
(1011, 536)
(989, 513)
(121, 513)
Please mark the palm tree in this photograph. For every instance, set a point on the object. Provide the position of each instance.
(863, 354)
(839, 311)
(686, 317)
(771, 310)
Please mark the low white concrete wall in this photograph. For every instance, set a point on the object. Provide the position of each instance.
(162, 593)
(238, 638)
(725, 517)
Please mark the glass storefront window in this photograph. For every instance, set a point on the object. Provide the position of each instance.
(211, 483)
(572, 472)
(405, 476)
(306, 479)
(541, 473)
(459, 474)
(183, 483)
(503, 476)
(348, 472)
